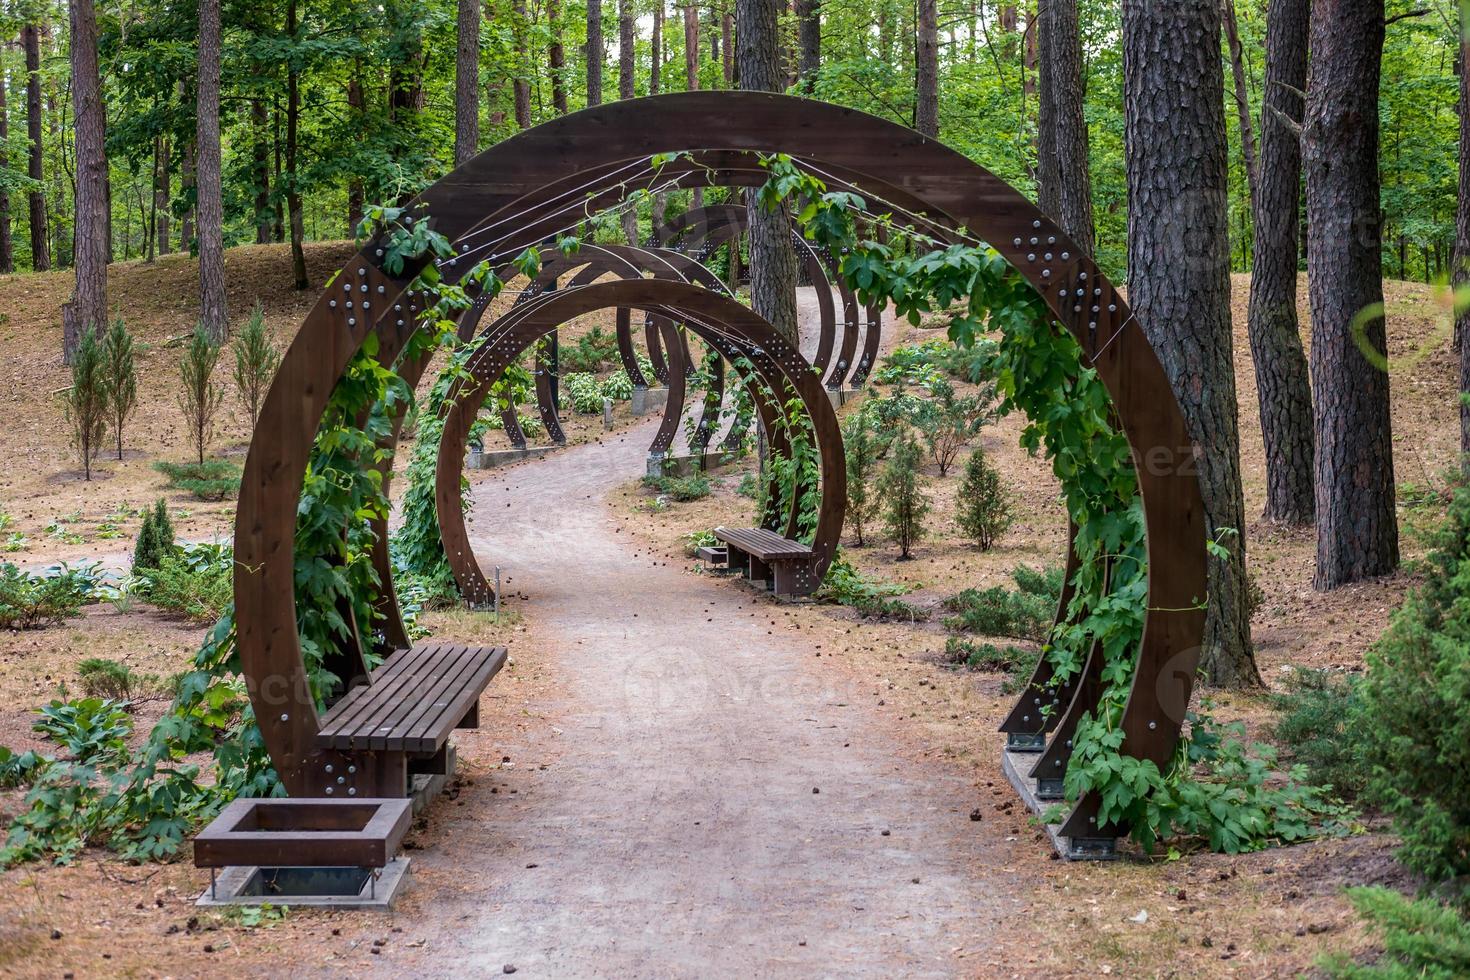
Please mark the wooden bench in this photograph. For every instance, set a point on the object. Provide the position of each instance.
(787, 567)
(413, 701)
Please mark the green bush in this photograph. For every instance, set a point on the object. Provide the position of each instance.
(593, 349)
(196, 581)
(88, 400)
(121, 374)
(91, 729)
(862, 447)
(1414, 698)
(1017, 663)
(905, 505)
(1422, 940)
(584, 392)
(1025, 612)
(1320, 728)
(846, 586)
(949, 421)
(199, 397)
(256, 361)
(918, 364)
(213, 479)
(982, 507)
(30, 601)
(618, 386)
(17, 770)
(103, 678)
(680, 488)
(155, 537)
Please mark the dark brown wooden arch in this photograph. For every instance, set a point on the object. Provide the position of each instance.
(734, 328)
(526, 189)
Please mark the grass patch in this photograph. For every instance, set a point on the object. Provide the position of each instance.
(214, 479)
(680, 488)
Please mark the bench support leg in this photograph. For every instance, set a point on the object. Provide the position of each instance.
(759, 571)
(360, 774)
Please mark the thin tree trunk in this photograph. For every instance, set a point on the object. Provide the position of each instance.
(1462, 245)
(466, 83)
(1064, 184)
(691, 47)
(556, 58)
(1282, 389)
(88, 307)
(150, 222)
(1357, 530)
(772, 258)
(727, 38)
(926, 69)
(809, 43)
(213, 313)
(186, 188)
(1242, 100)
(627, 44)
(595, 52)
(7, 244)
(30, 36)
(162, 196)
(656, 50)
(260, 169)
(1179, 277)
(293, 189)
(521, 84)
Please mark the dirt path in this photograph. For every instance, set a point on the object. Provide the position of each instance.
(679, 831)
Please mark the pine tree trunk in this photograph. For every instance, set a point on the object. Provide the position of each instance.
(556, 58)
(1282, 390)
(627, 47)
(1179, 276)
(656, 50)
(727, 39)
(466, 83)
(1462, 245)
(186, 187)
(213, 314)
(595, 52)
(1064, 176)
(772, 258)
(30, 37)
(1357, 531)
(691, 47)
(357, 105)
(162, 195)
(88, 307)
(521, 84)
(926, 69)
(809, 43)
(293, 189)
(7, 243)
(260, 169)
(1242, 99)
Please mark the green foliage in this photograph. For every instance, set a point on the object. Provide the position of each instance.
(998, 611)
(88, 400)
(982, 506)
(948, 422)
(584, 391)
(1321, 726)
(196, 581)
(861, 446)
(120, 374)
(593, 350)
(792, 478)
(1414, 699)
(212, 479)
(920, 364)
(618, 386)
(155, 538)
(844, 585)
(32, 601)
(680, 488)
(1018, 663)
(1422, 939)
(199, 397)
(114, 681)
(905, 504)
(256, 361)
(749, 486)
(17, 769)
(89, 730)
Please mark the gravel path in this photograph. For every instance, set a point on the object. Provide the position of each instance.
(719, 801)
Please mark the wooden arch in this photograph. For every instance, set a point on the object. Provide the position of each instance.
(736, 331)
(545, 180)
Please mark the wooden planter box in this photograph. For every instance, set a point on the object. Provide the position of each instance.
(304, 832)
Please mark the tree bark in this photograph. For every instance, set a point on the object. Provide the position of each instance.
(691, 46)
(656, 50)
(627, 46)
(595, 52)
(186, 188)
(809, 43)
(292, 177)
(356, 193)
(30, 37)
(466, 83)
(1242, 99)
(926, 69)
(213, 312)
(1357, 530)
(521, 84)
(1462, 245)
(1282, 390)
(7, 243)
(1179, 277)
(727, 46)
(162, 194)
(88, 307)
(1064, 176)
(556, 58)
(772, 258)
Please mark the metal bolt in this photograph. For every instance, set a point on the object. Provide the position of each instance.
(352, 791)
(285, 717)
(329, 791)
(329, 767)
(1152, 725)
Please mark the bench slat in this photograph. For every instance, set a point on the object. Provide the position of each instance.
(412, 703)
(763, 544)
